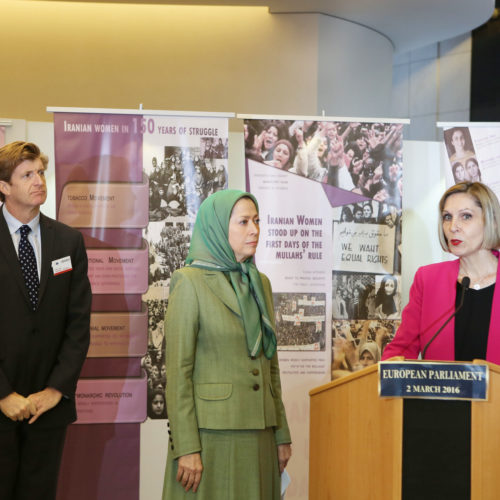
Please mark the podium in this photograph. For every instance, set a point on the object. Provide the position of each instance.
(356, 440)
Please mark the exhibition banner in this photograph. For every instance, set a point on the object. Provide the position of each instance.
(185, 160)
(330, 193)
(99, 190)
(473, 152)
(132, 183)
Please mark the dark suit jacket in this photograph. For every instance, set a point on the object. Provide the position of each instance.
(46, 347)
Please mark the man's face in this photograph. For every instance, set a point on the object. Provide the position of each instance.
(27, 188)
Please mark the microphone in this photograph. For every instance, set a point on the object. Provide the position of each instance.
(465, 286)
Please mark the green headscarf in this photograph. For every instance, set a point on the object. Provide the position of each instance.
(210, 249)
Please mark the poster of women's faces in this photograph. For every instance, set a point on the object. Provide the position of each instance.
(473, 155)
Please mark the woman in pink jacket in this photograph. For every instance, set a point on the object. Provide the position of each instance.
(469, 229)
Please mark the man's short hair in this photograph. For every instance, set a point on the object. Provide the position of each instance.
(13, 154)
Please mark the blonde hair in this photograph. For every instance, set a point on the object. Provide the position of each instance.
(488, 202)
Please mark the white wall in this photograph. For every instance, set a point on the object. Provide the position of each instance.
(423, 185)
(432, 84)
(354, 69)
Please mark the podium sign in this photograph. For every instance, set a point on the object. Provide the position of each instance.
(433, 380)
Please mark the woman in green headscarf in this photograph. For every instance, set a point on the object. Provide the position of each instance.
(229, 438)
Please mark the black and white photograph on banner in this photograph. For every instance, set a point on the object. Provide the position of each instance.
(167, 250)
(364, 158)
(368, 212)
(462, 155)
(372, 212)
(388, 297)
(168, 247)
(157, 406)
(358, 344)
(153, 362)
(184, 168)
(460, 149)
(353, 295)
(181, 181)
(300, 321)
(473, 153)
(367, 244)
(365, 296)
(214, 148)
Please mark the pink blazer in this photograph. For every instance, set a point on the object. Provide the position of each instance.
(432, 301)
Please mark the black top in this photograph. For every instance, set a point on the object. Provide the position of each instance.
(472, 323)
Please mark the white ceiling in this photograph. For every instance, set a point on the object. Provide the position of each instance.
(408, 24)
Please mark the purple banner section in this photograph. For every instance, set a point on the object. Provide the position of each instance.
(115, 271)
(105, 204)
(338, 197)
(100, 462)
(100, 237)
(117, 302)
(118, 334)
(98, 147)
(103, 154)
(105, 401)
(111, 367)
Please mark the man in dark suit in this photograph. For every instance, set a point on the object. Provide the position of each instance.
(45, 301)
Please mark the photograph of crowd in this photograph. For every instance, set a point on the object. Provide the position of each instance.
(177, 186)
(365, 296)
(368, 212)
(300, 321)
(168, 252)
(153, 362)
(214, 148)
(183, 179)
(365, 158)
(358, 344)
(168, 243)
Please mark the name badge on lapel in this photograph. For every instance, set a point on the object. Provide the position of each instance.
(62, 265)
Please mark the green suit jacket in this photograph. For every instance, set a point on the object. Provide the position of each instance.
(212, 383)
